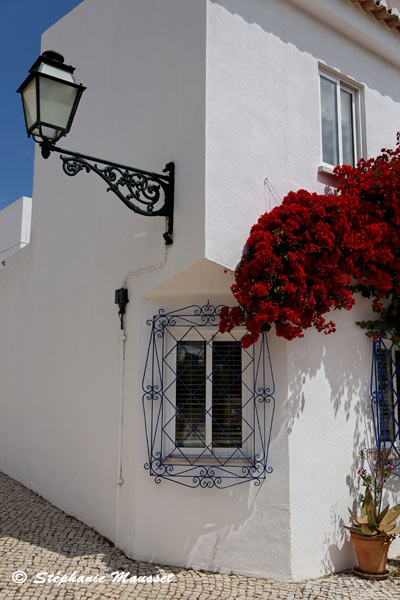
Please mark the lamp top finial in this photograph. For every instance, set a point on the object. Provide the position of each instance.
(53, 55)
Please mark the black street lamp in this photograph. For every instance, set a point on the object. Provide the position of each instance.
(50, 97)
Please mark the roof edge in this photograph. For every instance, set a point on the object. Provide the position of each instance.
(380, 10)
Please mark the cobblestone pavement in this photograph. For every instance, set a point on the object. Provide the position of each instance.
(35, 536)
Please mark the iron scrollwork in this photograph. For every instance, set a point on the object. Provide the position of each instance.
(385, 399)
(146, 193)
(172, 462)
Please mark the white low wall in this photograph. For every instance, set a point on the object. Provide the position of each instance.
(15, 227)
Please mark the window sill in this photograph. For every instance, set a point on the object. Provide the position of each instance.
(208, 460)
(327, 170)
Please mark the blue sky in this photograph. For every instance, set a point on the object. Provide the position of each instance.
(22, 24)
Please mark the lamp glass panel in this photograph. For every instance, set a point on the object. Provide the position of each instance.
(56, 72)
(48, 132)
(29, 100)
(56, 102)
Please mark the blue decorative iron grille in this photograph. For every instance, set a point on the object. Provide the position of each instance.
(385, 395)
(208, 404)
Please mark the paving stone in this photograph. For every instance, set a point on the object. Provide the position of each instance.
(35, 536)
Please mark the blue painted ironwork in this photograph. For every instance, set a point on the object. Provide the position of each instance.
(242, 462)
(385, 398)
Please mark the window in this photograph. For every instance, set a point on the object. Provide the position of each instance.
(339, 121)
(388, 387)
(207, 391)
(208, 403)
(385, 399)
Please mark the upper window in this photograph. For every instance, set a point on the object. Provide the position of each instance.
(339, 116)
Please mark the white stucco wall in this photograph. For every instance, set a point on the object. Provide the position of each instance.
(263, 106)
(144, 67)
(263, 120)
(15, 228)
(240, 529)
(329, 422)
(228, 89)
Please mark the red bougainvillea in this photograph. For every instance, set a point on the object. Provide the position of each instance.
(312, 253)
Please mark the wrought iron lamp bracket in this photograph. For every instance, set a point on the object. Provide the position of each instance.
(146, 193)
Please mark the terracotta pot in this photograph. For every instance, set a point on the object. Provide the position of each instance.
(371, 552)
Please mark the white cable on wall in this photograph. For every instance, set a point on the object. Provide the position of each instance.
(123, 338)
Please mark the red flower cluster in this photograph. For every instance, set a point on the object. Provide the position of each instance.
(313, 252)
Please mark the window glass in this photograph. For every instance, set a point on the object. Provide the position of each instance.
(190, 394)
(330, 146)
(226, 394)
(385, 389)
(346, 105)
(208, 394)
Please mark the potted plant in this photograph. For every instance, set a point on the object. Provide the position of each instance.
(373, 531)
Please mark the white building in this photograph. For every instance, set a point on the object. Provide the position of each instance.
(230, 90)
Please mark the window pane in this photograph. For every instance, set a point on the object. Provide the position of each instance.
(329, 122)
(385, 389)
(190, 394)
(346, 105)
(227, 394)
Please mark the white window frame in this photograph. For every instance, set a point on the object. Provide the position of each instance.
(169, 382)
(355, 91)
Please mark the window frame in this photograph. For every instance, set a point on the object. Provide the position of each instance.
(170, 450)
(389, 376)
(342, 83)
(202, 471)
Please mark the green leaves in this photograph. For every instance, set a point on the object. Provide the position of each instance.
(383, 513)
(366, 530)
(374, 523)
(389, 321)
(387, 523)
(359, 520)
(371, 516)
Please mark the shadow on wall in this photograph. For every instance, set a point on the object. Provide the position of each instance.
(338, 549)
(329, 400)
(295, 27)
(340, 367)
(209, 528)
(244, 529)
(27, 517)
